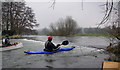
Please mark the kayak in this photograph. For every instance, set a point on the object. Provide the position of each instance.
(47, 52)
(15, 45)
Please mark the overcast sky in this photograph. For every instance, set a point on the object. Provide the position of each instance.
(90, 16)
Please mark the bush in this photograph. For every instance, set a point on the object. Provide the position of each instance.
(114, 49)
(9, 32)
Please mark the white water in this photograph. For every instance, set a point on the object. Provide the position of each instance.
(82, 56)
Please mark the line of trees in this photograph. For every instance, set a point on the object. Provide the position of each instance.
(91, 30)
(69, 27)
(17, 18)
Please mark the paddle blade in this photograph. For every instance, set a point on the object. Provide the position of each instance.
(65, 42)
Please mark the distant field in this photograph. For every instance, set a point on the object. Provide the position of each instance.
(17, 36)
(13, 37)
(0, 37)
(92, 35)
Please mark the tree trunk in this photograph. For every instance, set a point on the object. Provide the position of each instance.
(11, 17)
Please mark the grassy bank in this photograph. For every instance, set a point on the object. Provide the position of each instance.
(0, 37)
(19, 36)
(13, 37)
(93, 35)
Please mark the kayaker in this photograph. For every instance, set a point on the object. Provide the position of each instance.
(49, 46)
(5, 41)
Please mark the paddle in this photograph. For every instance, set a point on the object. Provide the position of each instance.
(65, 42)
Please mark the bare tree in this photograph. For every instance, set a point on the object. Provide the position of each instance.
(112, 9)
(17, 17)
(114, 26)
(108, 10)
(64, 27)
(0, 18)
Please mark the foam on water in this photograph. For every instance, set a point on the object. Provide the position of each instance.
(34, 41)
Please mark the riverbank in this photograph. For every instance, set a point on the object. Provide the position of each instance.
(13, 37)
(115, 52)
(0, 37)
(104, 35)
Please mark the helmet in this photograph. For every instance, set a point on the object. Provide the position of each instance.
(49, 37)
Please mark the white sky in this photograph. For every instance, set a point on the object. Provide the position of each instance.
(90, 16)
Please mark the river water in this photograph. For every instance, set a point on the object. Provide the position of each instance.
(87, 53)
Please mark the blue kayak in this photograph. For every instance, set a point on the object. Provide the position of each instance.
(47, 52)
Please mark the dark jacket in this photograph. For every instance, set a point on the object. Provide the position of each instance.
(49, 46)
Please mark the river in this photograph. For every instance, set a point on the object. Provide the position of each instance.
(87, 53)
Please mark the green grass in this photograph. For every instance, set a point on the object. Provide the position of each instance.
(13, 37)
(0, 37)
(93, 35)
(105, 35)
